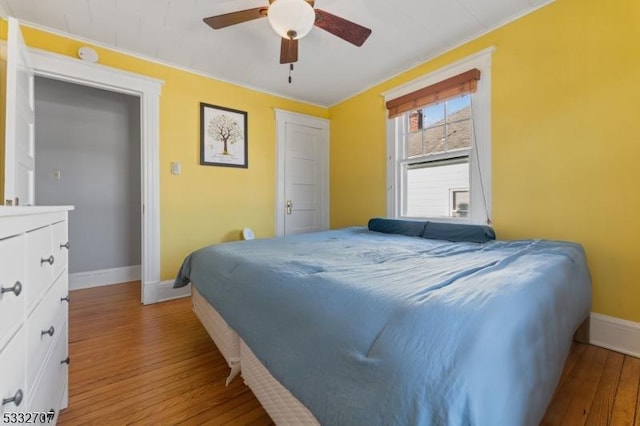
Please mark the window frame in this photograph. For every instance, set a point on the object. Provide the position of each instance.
(479, 155)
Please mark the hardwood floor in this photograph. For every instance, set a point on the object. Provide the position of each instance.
(134, 364)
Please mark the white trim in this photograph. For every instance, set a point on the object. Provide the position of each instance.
(73, 70)
(99, 278)
(165, 291)
(480, 158)
(282, 118)
(150, 226)
(17, 64)
(66, 68)
(614, 333)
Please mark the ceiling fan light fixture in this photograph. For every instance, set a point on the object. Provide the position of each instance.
(292, 19)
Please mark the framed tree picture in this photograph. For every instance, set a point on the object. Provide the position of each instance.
(223, 137)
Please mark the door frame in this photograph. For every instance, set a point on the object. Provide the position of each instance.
(282, 119)
(72, 70)
(15, 50)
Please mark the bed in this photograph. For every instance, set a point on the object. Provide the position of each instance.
(359, 327)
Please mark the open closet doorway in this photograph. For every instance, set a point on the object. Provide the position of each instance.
(87, 152)
(147, 90)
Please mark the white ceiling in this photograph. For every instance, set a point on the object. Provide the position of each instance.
(329, 70)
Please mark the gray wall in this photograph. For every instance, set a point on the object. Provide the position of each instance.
(92, 137)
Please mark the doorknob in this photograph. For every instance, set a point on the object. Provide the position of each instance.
(289, 206)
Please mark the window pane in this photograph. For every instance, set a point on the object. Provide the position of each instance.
(430, 187)
(434, 139)
(415, 144)
(441, 127)
(459, 123)
(457, 105)
(459, 135)
(433, 114)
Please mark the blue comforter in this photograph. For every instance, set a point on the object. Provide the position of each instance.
(376, 329)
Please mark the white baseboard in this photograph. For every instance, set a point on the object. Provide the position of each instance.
(89, 279)
(165, 291)
(616, 334)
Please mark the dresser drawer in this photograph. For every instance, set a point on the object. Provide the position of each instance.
(49, 388)
(12, 282)
(60, 247)
(43, 327)
(39, 262)
(12, 368)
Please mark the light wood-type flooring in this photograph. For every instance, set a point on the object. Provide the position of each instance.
(156, 365)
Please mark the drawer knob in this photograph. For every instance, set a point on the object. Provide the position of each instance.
(67, 360)
(65, 299)
(49, 260)
(65, 245)
(50, 331)
(16, 289)
(16, 399)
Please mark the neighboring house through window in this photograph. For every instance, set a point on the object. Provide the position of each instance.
(460, 202)
(439, 144)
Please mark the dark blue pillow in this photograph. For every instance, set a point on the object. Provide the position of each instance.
(397, 226)
(459, 232)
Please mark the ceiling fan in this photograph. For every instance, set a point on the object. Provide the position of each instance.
(292, 20)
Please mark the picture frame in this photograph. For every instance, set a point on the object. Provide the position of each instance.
(223, 136)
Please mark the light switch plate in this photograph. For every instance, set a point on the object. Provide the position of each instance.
(176, 168)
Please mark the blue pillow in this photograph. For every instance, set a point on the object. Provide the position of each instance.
(459, 232)
(397, 226)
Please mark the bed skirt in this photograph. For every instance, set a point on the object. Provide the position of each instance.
(227, 340)
(283, 408)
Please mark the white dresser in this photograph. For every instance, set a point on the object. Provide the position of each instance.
(34, 300)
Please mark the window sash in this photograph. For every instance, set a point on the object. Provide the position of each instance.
(439, 136)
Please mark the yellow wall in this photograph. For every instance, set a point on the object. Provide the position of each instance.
(566, 139)
(205, 204)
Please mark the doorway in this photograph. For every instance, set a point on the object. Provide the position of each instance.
(148, 91)
(87, 153)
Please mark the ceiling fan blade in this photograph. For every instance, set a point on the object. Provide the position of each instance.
(221, 21)
(288, 51)
(345, 29)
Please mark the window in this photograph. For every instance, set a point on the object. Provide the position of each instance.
(459, 203)
(439, 145)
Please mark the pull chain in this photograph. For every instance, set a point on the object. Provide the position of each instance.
(290, 69)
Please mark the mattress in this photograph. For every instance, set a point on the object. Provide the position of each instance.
(365, 328)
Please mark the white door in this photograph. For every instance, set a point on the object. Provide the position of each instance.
(303, 186)
(19, 132)
(303, 174)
